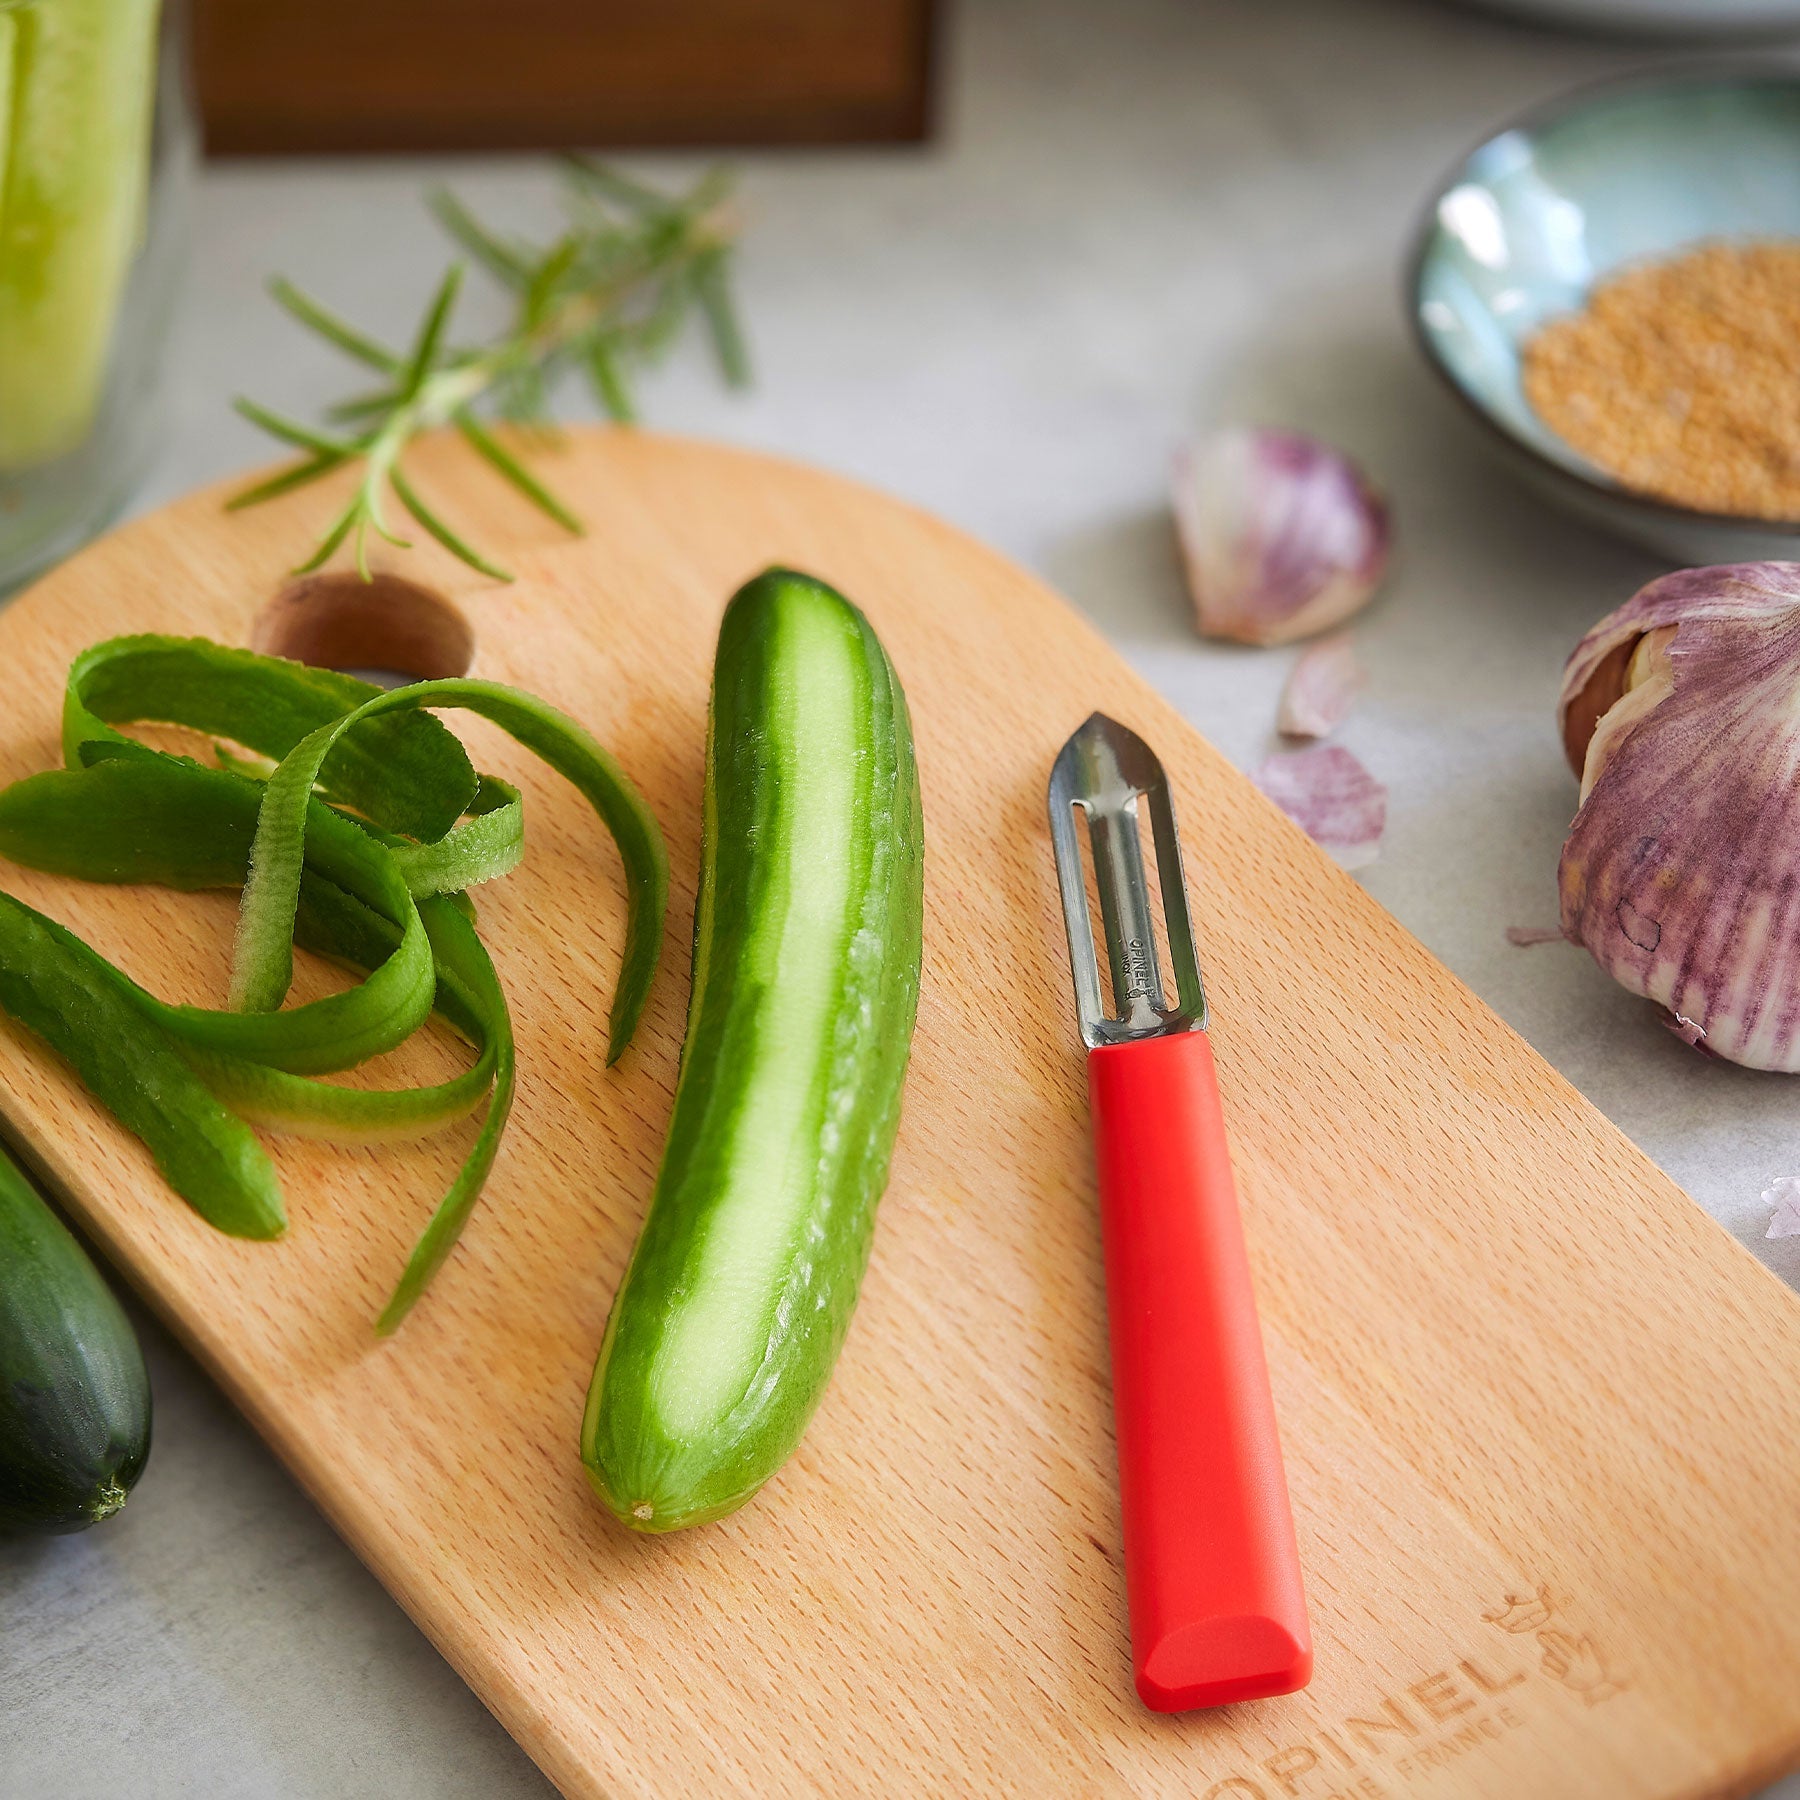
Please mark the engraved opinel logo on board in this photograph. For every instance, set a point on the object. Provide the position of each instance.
(1573, 1660)
(1406, 1737)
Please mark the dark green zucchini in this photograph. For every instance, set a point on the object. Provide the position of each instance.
(806, 981)
(74, 1394)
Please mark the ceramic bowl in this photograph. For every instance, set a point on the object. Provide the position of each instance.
(1533, 218)
(1668, 18)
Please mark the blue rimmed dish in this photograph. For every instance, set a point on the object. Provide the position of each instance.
(1528, 222)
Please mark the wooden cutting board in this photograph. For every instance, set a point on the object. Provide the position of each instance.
(1542, 1416)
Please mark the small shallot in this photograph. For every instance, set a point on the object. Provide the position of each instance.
(1281, 535)
(1681, 873)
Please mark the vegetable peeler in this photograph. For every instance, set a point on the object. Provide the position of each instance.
(1212, 1572)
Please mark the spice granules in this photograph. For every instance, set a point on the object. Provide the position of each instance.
(1682, 378)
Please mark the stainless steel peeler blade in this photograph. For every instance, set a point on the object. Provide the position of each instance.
(1112, 775)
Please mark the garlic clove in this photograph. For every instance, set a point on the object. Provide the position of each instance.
(1321, 688)
(1280, 534)
(1328, 793)
(1681, 871)
(1648, 681)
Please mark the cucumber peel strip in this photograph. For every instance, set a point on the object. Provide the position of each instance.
(263, 958)
(140, 815)
(373, 822)
(490, 843)
(80, 823)
(79, 1004)
(466, 957)
(408, 773)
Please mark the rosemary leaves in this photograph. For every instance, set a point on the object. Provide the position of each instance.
(612, 293)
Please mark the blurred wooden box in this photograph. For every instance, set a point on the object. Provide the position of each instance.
(323, 75)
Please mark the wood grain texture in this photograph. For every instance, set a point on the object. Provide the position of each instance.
(289, 76)
(1544, 1491)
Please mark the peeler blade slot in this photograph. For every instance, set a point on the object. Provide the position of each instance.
(1178, 921)
(1129, 926)
(1083, 962)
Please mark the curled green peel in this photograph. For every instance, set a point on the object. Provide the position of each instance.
(263, 965)
(353, 827)
(408, 773)
(79, 1004)
(138, 815)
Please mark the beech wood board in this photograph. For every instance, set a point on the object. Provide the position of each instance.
(1542, 1416)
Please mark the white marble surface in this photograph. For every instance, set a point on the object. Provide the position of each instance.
(1142, 214)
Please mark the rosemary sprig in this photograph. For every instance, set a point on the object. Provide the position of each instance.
(606, 298)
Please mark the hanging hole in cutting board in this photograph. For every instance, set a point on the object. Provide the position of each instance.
(388, 630)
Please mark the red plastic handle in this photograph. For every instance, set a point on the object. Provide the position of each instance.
(1211, 1568)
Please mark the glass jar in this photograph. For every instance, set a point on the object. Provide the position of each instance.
(96, 159)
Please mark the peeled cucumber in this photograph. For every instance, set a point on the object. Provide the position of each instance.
(77, 98)
(806, 981)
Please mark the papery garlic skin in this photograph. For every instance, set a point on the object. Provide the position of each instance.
(1321, 688)
(1280, 534)
(1681, 871)
(1328, 793)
